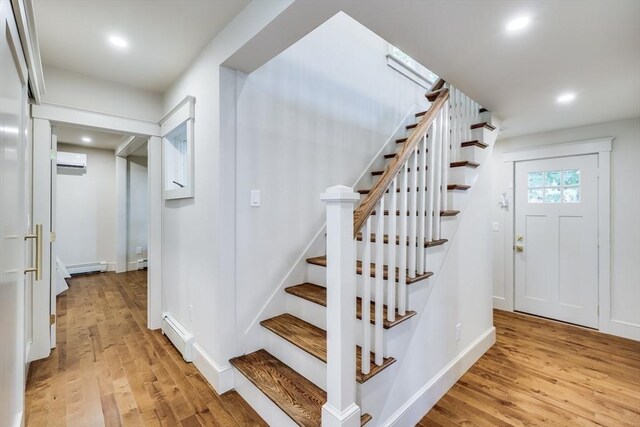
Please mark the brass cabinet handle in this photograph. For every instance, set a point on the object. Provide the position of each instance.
(38, 268)
(519, 248)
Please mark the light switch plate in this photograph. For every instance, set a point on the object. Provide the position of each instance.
(495, 226)
(255, 198)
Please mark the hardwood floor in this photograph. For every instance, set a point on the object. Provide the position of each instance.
(109, 369)
(542, 372)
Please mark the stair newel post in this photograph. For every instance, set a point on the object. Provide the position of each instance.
(402, 262)
(341, 409)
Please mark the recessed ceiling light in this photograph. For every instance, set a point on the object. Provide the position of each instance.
(518, 24)
(86, 139)
(118, 41)
(566, 98)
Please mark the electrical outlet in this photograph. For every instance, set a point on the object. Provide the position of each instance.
(458, 331)
(495, 226)
(255, 198)
(191, 312)
(139, 250)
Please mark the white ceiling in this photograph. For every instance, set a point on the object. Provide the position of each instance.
(99, 139)
(590, 47)
(164, 36)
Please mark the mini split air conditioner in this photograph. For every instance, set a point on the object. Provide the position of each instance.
(71, 160)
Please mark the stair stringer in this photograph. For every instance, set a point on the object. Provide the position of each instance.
(254, 336)
(421, 349)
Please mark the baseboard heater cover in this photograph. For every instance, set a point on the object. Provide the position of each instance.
(178, 335)
(89, 267)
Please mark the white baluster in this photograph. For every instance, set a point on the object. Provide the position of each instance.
(413, 225)
(391, 249)
(420, 213)
(437, 164)
(402, 282)
(446, 143)
(366, 296)
(431, 182)
(379, 303)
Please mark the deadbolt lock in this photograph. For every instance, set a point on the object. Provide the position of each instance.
(519, 248)
(519, 238)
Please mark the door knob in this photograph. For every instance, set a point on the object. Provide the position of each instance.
(38, 268)
(519, 248)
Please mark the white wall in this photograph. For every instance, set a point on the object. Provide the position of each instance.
(86, 209)
(313, 117)
(625, 211)
(137, 210)
(198, 247)
(76, 90)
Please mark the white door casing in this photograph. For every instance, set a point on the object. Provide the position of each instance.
(13, 219)
(556, 238)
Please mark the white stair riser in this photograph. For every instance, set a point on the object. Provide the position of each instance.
(316, 315)
(485, 135)
(472, 154)
(462, 175)
(487, 117)
(268, 410)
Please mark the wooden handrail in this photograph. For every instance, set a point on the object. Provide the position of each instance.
(377, 192)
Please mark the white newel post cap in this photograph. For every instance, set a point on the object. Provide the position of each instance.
(340, 194)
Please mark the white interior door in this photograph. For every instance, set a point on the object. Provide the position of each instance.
(556, 238)
(13, 219)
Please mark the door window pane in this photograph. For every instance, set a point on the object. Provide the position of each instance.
(571, 195)
(552, 195)
(535, 179)
(536, 195)
(571, 177)
(552, 179)
(554, 186)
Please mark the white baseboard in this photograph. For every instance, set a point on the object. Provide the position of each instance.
(88, 267)
(136, 265)
(501, 304)
(623, 329)
(220, 377)
(425, 398)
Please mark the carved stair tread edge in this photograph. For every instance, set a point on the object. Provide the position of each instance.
(449, 187)
(474, 143)
(464, 163)
(392, 155)
(322, 262)
(295, 395)
(449, 212)
(318, 294)
(427, 244)
(313, 340)
(483, 125)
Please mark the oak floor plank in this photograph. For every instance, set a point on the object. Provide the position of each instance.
(543, 372)
(109, 369)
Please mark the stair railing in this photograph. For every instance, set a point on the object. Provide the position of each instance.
(407, 202)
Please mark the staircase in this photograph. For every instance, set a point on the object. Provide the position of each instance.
(391, 233)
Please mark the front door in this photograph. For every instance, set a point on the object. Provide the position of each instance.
(556, 238)
(13, 219)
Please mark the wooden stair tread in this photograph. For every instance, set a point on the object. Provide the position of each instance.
(449, 187)
(411, 126)
(313, 340)
(474, 143)
(385, 240)
(462, 187)
(298, 397)
(318, 295)
(392, 155)
(482, 110)
(464, 163)
(450, 212)
(322, 261)
(483, 125)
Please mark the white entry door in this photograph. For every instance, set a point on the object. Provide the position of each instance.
(13, 219)
(556, 239)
